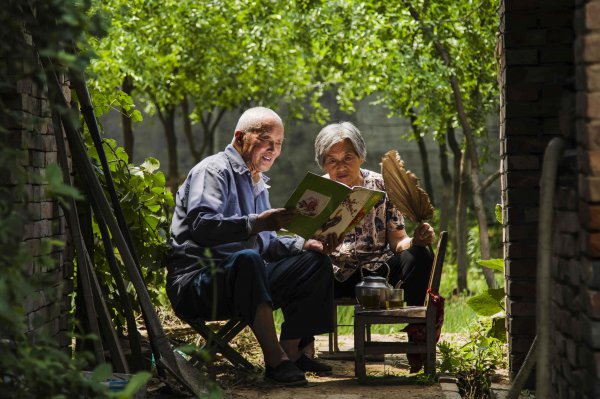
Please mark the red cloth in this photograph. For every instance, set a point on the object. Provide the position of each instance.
(416, 332)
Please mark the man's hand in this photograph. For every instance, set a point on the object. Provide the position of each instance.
(424, 235)
(328, 246)
(273, 219)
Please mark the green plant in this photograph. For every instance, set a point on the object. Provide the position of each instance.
(473, 363)
(146, 204)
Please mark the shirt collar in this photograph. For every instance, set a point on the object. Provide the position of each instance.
(238, 164)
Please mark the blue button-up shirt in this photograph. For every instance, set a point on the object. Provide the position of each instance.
(215, 211)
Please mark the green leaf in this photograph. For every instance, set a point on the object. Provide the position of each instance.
(136, 383)
(102, 372)
(498, 328)
(495, 264)
(498, 212)
(484, 304)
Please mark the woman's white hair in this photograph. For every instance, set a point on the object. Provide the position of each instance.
(332, 134)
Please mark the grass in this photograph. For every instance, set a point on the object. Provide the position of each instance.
(458, 316)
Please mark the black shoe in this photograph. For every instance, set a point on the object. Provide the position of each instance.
(286, 373)
(305, 363)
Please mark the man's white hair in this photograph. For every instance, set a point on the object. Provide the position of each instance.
(258, 119)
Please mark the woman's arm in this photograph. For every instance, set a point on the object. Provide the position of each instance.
(400, 241)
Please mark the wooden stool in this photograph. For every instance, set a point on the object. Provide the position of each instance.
(425, 315)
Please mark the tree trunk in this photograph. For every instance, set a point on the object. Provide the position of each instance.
(167, 118)
(457, 156)
(128, 139)
(209, 123)
(187, 130)
(461, 226)
(447, 200)
(423, 154)
(471, 152)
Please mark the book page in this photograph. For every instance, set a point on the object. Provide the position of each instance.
(350, 212)
(315, 199)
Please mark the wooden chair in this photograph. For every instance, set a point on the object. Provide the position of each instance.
(218, 342)
(426, 315)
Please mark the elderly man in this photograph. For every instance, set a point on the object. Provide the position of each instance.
(223, 216)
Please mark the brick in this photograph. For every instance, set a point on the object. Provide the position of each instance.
(567, 222)
(589, 187)
(512, 5)
(588, 104)
(588, 77)
(592, 303)
(525, 145)
(521, 288)
(589, 215)
(560, 16)
(523, 162)
(528, 93)
(589, 161)
(523, 126)
(522, 196)
(537, 74)
(590, 12)
(524, 232)
(520, 343)
(562, 35)
(525, 179)
(556, 54)
(523, 325)
(587, 47)
(520, 20)
(566, 198)
(590, 331)
(592, 244)
(519, 38)
(520, 250)
(588, 134)
(519, 109)
(518, 308)
(520, 268)
(521, 57)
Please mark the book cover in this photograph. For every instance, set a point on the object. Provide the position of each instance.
(325, 206)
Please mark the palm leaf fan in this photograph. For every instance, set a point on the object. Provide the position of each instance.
(403, 189)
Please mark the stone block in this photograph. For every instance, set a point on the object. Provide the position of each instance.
(590, 331)
(520, 343)
(588, 77)
(520, 250)
(522, 179)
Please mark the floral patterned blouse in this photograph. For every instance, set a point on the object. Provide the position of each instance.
(367, 242)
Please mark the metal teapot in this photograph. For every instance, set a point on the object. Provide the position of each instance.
(371, 292)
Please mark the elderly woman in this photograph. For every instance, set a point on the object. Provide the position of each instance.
(340, 151)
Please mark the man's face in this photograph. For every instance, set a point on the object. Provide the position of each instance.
(261, 149)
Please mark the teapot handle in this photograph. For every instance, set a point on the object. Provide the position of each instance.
(384, 263)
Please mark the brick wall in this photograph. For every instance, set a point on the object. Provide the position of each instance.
(536, 60)
(576, 259)
(32, 132)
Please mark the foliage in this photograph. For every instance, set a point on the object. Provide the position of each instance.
(473, 363)
(146, 204)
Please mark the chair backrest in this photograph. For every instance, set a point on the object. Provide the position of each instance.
(436, 269)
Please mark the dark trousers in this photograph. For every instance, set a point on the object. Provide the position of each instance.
(412, 266)
(301, 285)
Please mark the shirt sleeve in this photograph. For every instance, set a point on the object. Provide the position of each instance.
(282, 246)
(208, 195)
(394, 219)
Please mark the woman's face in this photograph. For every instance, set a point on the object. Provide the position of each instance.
(342, 164)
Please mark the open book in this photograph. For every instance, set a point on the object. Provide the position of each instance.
(325, 206)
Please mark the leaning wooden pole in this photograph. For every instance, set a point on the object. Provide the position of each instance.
(189, 376)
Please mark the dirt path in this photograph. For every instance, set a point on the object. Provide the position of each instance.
(387, 379)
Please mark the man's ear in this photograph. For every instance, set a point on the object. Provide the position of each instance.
(239, 136)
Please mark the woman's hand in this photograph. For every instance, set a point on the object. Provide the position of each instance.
(328, 246)
(424, 235)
